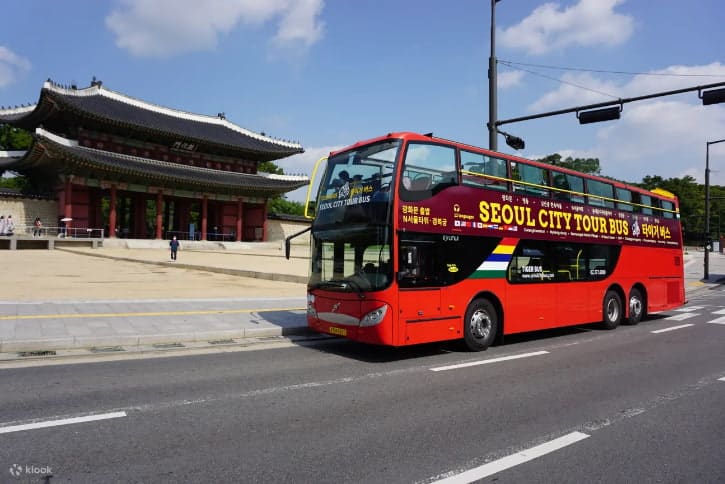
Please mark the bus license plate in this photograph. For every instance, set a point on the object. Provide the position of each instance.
(338, 331)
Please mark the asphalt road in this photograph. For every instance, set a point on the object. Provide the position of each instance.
(637, 404)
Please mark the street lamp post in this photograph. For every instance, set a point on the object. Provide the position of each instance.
(707, 206)
(492, 83)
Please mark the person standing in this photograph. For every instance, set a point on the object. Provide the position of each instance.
(9, 225)
(37, 227)
(174, 245)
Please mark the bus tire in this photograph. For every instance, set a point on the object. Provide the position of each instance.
(611, 310)
(481, 325)
(637, 307)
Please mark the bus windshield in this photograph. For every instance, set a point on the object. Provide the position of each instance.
(351, 236)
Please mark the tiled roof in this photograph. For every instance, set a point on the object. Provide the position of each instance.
(52, 153)
(104, 105)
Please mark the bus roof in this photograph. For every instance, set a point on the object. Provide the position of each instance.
(412, 136)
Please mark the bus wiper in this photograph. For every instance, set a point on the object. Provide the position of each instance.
(356, 287)
(332, 283)
(341, 284)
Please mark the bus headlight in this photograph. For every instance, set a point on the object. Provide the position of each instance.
(311, 305)
(375, 316)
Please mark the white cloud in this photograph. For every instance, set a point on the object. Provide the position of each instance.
(549, 27)
(663, 136)
(12, 66)
(569, 94)
(303, 164)
(509, 79)
(161, 28)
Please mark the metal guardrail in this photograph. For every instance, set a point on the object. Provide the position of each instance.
(52, 231)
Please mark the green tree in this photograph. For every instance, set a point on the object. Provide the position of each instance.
(584, 165)
(280, 204)
(691, 196)
(14, 139)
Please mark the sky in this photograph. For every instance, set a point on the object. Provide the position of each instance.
(330, 73)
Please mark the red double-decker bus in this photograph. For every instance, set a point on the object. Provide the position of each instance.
(418, 239)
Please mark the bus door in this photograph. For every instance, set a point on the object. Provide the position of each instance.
(419, 298)
(532, 294)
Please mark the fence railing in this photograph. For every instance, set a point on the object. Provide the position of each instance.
(60, 232)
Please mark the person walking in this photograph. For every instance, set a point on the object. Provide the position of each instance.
(174, 245)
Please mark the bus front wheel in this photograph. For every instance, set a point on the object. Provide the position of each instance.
(480, 325)
(611, 310)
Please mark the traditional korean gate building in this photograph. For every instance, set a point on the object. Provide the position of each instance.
(151, 172)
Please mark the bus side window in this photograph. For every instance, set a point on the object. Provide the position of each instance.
(428, 167)
(483, 171)
(624, 200)
(668, 209)
(534, 180)
(569, 187)
(644, 204)
(601, 194)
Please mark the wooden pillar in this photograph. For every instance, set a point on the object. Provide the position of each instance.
(159, 214)
(238, 235)
(139, 217)
(204, 216)
(68, 210)
(112, 214)
(264, 221)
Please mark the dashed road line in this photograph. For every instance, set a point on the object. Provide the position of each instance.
(681, 316)
(513, 459)
(720, 320)
(688, 309)
(64, 421)
(485, 362)
(673, 328)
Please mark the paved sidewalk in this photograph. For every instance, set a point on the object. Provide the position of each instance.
(137, 299)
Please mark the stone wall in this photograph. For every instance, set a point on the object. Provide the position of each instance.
(278, 229)
(24, 211)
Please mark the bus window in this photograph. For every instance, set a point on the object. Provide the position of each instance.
(668, 209)
(644, 204)
(600, 194)
(567, 184)
(624, 200)
(483, 171)
(534, 180)
(430, 260)
(428, 169)
(536, 261)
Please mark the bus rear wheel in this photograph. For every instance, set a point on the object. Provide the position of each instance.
(611, 310)
(637, 307)
(481, 325)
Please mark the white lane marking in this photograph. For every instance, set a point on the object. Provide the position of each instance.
(513, 459)
(65, 421)
(721, 379)
(719, 311)
(688, 309)
(485, 362)
(672, 328)
(681, 316)
(720, 320)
